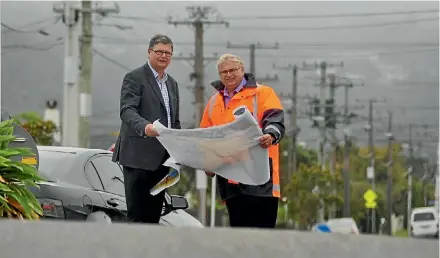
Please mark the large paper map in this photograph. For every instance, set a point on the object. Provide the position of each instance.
(231, 150)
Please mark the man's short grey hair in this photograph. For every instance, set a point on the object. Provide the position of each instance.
(229, 57)
(160, 38)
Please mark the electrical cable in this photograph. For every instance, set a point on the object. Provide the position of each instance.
(138, 18)
(281, 45)
(404, 52)
(109, 59)
(353, 26)
(40, 46)
(275, 17)
(41, 31)
(337, 15)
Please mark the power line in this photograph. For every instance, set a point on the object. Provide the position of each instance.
(318, 28)
(354, 26)
(408, 107)
(305, 16)
(40, 31)
(18, 29)
(140, 18)
(34, 47)
(339, 15)
(266, 55)
(116, 40)
(423, 83)
(351, 56)
(109, 59)
(16, 46)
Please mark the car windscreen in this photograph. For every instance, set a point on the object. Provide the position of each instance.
(54, 164)
(424, 216)
(343, 225)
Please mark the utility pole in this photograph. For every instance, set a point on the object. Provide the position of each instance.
(198, 19)
(437, 181)
(371, 162)
(77, 104)
(333, 141)
(85, 81)
(425, 168)
(292, 163)
(322, 104)
(390, 174)
(347, 142)
(70, 117)
(322, 125)
(321, 119)
(252, 47)
(85, 74)
(371, 221)
(410, 171)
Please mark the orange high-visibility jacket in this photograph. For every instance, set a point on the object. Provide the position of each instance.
(265, 105)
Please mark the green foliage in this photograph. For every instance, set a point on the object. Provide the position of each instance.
(27, 116)
(303, 200)
(42, 131)
(303, 203)
(16, 200)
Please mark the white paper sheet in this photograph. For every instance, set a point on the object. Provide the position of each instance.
(231, 150)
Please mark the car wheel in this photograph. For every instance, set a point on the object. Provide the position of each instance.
(99, 216)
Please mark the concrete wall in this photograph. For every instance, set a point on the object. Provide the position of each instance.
(89, 240)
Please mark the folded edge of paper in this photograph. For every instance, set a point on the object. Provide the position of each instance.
(172, 177)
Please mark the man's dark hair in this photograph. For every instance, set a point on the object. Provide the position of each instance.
(160, 38)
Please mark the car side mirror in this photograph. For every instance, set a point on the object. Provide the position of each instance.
(179, 202)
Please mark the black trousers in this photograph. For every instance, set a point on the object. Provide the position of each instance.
(142, 207)
(252, 211)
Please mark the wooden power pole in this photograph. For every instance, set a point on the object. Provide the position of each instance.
(292, 163)
(390, 174)
(85, 77)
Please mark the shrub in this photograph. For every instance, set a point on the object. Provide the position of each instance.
(41, 130)
(16, 200)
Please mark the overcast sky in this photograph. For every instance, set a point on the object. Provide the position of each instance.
(395, 56)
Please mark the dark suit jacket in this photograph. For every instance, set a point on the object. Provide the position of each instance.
(141, 104)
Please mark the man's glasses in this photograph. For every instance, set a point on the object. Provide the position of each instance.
(162, 52)
(230, 71)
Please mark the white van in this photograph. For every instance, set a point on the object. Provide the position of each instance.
(424, 222)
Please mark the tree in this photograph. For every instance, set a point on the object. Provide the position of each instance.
(302, 197)
(303, 203)
(41, 130)
(304, 156)
(358, 167)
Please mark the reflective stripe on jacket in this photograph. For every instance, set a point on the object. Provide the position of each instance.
(266, 108)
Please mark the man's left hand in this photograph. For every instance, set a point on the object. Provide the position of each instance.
(266, 141)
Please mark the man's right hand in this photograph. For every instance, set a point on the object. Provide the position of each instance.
(150, 131)
(210, 174)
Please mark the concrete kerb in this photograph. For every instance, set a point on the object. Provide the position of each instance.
(76, 239)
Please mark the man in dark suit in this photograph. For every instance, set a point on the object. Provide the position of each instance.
(148, 93)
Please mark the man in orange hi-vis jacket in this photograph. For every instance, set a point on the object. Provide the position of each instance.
(248, 205)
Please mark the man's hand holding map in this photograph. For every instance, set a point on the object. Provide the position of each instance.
(232, 150)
